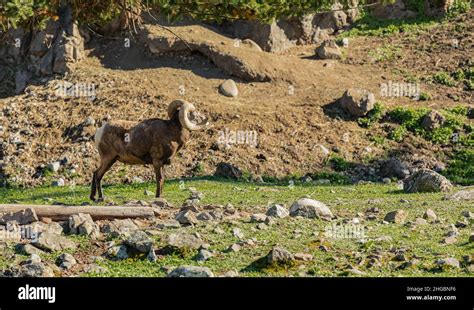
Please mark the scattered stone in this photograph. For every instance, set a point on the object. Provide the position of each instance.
(118, 252)
(148, 193)
(449, 262)
(51, 242)
(235, 247)
(184, 241)
(21, 217)
(54, 166)
(204, 216)
(229, 89)
(432, 120)
(66, 261)
(384, 239)
(94, 269)
(278, 211)
(186, 217)
(386, 181)
(258, 218)
(33, 259)
(394, 168)
(471, 237)
(357, 102)
(59, 182)
(152, 256)
(28, 249)
(139, 241)
(279, 255)
(397, 216)
(462, 195)
(36, 269)
(420, 221)
(82, 224)
(191, 272)
(204, 255)
(310, 208)
(463, 223)
(227, 170)
(449, 240)
(230, 274)
(468, 214)
(329, 50)
(168, 224)
(430, 215)
(262, 226)
(425, 180)
(119, 227)
(238, 233)
(306, 257)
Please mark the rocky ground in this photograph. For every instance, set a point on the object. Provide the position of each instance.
(258, 230)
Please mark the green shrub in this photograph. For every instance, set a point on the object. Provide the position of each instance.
(339, 163)
(461, 168)
(443, 78)
(372, 116)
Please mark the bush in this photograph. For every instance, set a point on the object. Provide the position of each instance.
(373, 116)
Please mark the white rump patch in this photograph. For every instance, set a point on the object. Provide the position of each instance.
(98, 134)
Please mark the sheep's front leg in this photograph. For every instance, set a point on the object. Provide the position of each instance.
(158, 165)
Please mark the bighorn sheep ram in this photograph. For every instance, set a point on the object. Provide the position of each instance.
(152, 141)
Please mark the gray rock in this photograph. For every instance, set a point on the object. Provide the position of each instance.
(54, 166)
(394, 168)
(426, 180)
(58, 182)
(306, 257)
(94, 269)
(397, 216)
(51, 242)
(432, 120)
(184, 241)
(278, 211)
(357, 102)
(82, 224)
(139, 241)
(471, 237)
(66, 261)
(329, 50)
(229, 89)
(235, 247)
(251, 44)
(36, 269)
(119, 227)
(204, 216)
(118, 252)
(238, 233)
(430, 215)
(152, 256)
(279, 255)
(22, 78)
(258, 218)
(204, 255)
(168, 224)
(28, 249)
(191, 272)
(310, 208)
(186, 217)
(21, 217)
(227, 170)
(462, 195)
(449, 262)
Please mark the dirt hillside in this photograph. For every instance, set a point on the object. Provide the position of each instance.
(291, 113)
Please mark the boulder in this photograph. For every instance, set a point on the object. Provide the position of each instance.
(139, 241)
(394, 168)
(51, 242)
(119, 227)
(432, 120)
(278, 211)
(21, 217)
(182, 241)
(228, 88)
(357, 102)
(191, 272)
(426, 180)
(310, 208)
(329, 50)
(462, 195)
(397, 216)
(279, 255)
(227, 170)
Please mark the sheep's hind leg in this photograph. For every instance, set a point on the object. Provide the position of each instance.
(93, 186)
(159, 178)
(105, 165)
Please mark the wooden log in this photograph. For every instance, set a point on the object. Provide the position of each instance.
(58, 212)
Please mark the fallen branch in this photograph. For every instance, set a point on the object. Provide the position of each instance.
(59, 213)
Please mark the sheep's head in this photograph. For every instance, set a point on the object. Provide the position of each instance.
(185, 110)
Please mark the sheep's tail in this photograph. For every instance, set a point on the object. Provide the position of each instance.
(98, 134)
